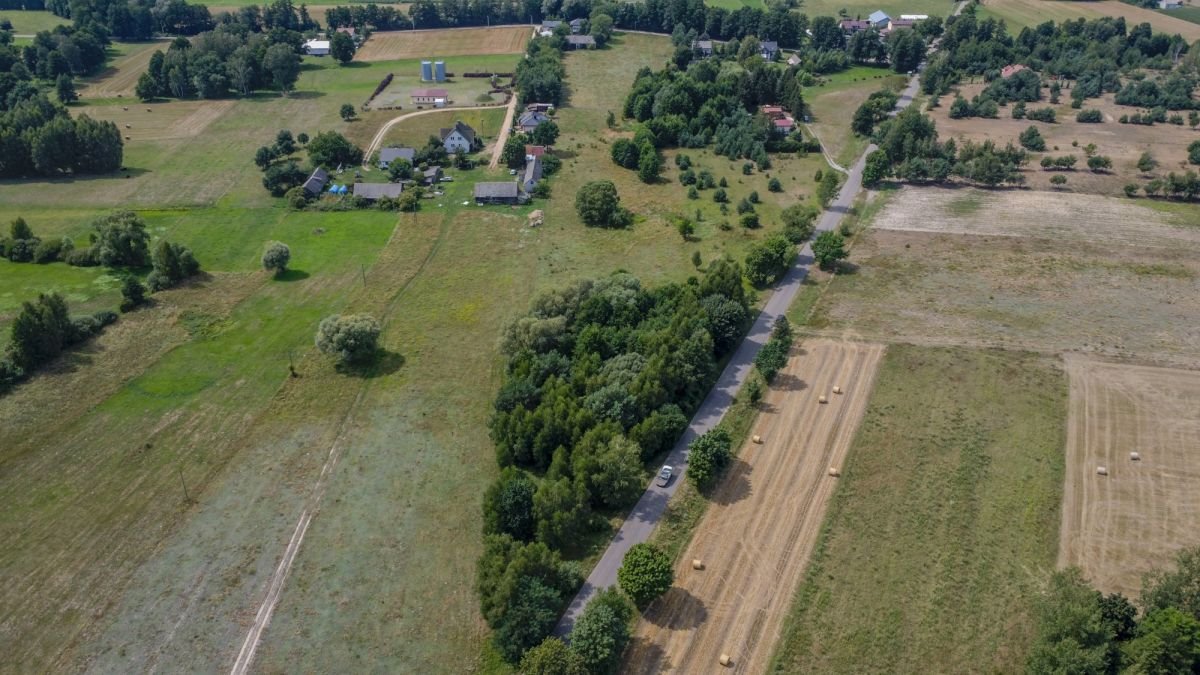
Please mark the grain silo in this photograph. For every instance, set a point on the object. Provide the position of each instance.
(439, 71)
(426, 71)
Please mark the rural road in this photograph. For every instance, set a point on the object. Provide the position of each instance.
(641, 521)
(505, 129)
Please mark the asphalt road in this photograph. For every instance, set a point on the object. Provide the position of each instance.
(650, 508)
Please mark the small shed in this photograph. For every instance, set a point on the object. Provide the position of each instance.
(854, 25)
(496, 193)
(374, 191)
(431, 175)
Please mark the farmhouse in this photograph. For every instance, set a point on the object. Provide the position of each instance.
(316, 182)
(897, 24)
(496, 193)
(548, 28)
(532, 151)
(854, 25)
(1010, 70)
(348, 30)
(576, 26)
(437, 97)
(539, 107)
(769, 49)
(879, 19)
(533, 173)
(1170, 4)
(316, 47)
(374, 191)
(527, 122)
(581, 41)
(783, 125)
(703, 47)
(389, 155)
(458, 138)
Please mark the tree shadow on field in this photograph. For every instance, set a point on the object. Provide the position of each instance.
(686, 611)
(292, 275)
(305, 95)
(735, 486)
(788, 382)
(384, 362)
(644, 656)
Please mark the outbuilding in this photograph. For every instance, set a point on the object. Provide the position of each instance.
(497, 193)
(581, 41)
(375, 191)
(435, 97)
(316, 47)
(316, 182)
(391, 154)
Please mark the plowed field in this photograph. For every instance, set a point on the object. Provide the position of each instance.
(1119, 526)
(756, 539)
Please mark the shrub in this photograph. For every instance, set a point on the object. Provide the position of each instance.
(774, 185)
(1058, 180)
(1091, 116)
(750, 221)
(133, 294)
(828, 249)
(172, 263)
(276, 256)
(351, 338)
(1099, 163)
(799, 222)
(708, 456)
(297, 198)
(1031, 139)
(598, 205)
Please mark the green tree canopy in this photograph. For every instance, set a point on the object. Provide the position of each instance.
(645, 573)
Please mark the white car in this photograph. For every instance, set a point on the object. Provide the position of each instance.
(664, 476)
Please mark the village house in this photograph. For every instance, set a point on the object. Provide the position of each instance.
(576, 26)
(900, 24)
(781, 122)
(316, 47)
(851, 26)
(391, 154)
(879, 19)
(703, 47)
(316, 182)
(548, 28)
(581, 41)
(459, 138)
(769, 49)
(532, 151)
(435, 97)
(497, 193)
(528, 121)
(375, 191)
(533, 173)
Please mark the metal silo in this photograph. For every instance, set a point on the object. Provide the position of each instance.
(426, 71)
(439, 71)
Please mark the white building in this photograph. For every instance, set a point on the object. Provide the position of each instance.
(913, 17)
(317, 47)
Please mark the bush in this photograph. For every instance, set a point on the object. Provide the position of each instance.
(1042, 115)
(172, 263)
(133, 294)
(750, 221)
(708, 456)
(1131, 190)
(352, 338)
(1031, 139)
(1099, 163)
(799, 222)
(774, 185)
(828, 249)
(720, 197)
(1058, 180)
(276, 256)
(598, 205)
(645, 573)
(1091, 116)
(297, 198)
(773, 355)
(50, 250)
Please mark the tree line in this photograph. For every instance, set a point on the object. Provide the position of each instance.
(229, 59)
(134, 19)
(600, 378)
(39, 137)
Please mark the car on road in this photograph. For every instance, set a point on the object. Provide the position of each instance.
(664, 476)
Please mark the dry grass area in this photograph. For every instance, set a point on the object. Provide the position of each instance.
(1124, 143)
(395, 45)
(758, 534)
(1021, 13)
(120, 77)
(1014, 275)
(1120, 526)
(162, 121)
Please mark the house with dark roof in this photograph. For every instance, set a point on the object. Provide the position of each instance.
(851, 26)
(539, 107)
(548, 28)
(458, 138)
(497, 193)
(431, 175)
(581, 41)
(528, 121)
(316, 182)
(769, 49)
(898, 24)
(703, 47)
(879, 18)
(375, 191)
(391, 154)
(533, 173)
(576, 26)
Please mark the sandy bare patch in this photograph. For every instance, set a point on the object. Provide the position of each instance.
(393, 45)
(760, 530)
(1120, 526)
(1023, 213)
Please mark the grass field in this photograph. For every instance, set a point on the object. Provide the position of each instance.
(1187, 13)
(416, 132)
(944, 522)
(26, 22)
(127, 62)
(463, 91)
(839, 95)
(195, 391)
(435, 44)
(1020, 14)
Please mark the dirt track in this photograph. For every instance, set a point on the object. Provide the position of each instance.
(763, 522)
(1119, 526)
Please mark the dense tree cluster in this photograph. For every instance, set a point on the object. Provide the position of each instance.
(909, 150)
(134, 19)
(66, 50)
(540, 76)
(1081, 630)
(230, 59)
(41, 331)
(172, 264)
(22, 245)
(599, 378)
(598, 205)
(769, 259)
(874, 110)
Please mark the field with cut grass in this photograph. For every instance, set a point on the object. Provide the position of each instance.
(126, 63)
(112, 566)
(27, 22)
(838, 95)
(944, 523)
(435, 44)
(1020, 14)
(416, 132)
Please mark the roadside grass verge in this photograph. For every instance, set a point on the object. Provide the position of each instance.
(944, 523)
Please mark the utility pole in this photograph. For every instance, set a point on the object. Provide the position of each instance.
(186, 498)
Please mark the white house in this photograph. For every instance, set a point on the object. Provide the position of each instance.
(458, 138)
(1170, 4)
(317, 47)
(437, 97)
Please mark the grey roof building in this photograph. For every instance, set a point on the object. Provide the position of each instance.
(533, 173)
(373, 191)
(496, 193)
(316, 182)
(388, 155)
(584, 41)
(768, 49)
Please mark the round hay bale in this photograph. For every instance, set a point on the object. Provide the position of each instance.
(822, 399)
(1133, 456)
(756, 438)
(1103, 471)
(697, 564)
(837, 390)
(725, 660)
(833, 471)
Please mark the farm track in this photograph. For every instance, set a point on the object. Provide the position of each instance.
(1120, 526)
(757, 536)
